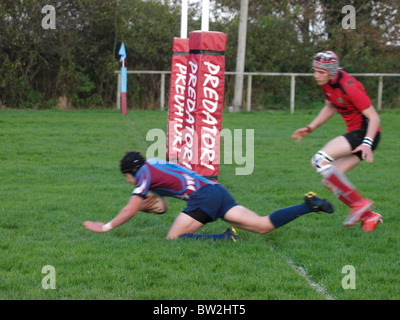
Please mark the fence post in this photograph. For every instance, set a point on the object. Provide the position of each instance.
(380, 88)
(249, 80)
(162, 91)
(292, 93)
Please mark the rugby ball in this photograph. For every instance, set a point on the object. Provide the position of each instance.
(154, 203)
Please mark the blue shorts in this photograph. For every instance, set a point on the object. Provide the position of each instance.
(209, 203)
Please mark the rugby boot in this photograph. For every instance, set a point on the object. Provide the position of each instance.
(317, 204)
(356, 211)
(370, 221)
(231, 234)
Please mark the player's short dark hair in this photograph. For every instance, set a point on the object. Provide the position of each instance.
(131, 162)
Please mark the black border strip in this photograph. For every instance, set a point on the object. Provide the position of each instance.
(211, 177)
(208, 52)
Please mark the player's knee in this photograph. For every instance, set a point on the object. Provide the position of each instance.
(263, 226)
(265, 230)
(321, 162)
(266, 226)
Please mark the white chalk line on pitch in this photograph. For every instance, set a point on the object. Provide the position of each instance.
(303, 273)
(319, 288)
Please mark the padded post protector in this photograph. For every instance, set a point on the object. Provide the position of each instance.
(204, 97)
(180, 52)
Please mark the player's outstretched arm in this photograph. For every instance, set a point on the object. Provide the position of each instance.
(324, 115)
(123, 216)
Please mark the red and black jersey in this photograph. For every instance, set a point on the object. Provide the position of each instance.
(349, 98)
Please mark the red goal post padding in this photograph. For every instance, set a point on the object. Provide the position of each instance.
(176, 106)
(202, 122)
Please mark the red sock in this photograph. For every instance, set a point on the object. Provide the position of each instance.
(352, 197)
(344, 200)
(347, 193)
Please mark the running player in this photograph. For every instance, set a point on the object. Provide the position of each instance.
(344, 94)
(206, 201)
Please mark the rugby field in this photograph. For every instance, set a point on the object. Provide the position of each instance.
(60, 168)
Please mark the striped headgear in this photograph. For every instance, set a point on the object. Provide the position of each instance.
(327, 60)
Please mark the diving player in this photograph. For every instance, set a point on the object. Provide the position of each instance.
(206, 201)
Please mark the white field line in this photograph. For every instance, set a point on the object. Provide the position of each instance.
(319, 288)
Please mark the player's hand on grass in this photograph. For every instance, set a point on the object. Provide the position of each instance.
(94, 226)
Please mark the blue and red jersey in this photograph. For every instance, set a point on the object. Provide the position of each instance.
(349, 98)
(167, 179)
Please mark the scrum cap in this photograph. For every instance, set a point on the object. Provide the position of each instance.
(327, 60)
(131, 162)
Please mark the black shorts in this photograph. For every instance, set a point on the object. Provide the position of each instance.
(209, 203)
(356, 137)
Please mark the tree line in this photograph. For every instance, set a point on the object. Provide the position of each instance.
(74, 64)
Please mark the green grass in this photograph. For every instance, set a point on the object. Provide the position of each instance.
(60, 168)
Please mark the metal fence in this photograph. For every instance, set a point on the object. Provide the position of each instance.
(249, 84)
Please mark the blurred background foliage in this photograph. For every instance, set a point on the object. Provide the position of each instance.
(73, 66)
